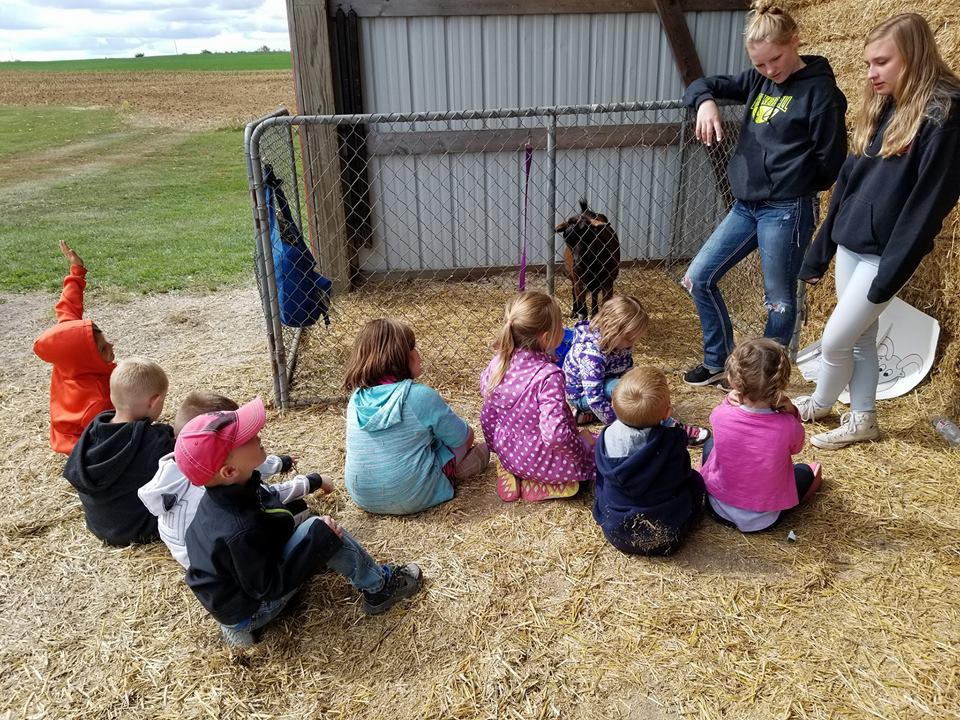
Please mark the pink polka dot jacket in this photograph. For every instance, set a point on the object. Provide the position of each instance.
(526, 421)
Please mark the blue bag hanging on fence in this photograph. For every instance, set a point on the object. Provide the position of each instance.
(302, 293)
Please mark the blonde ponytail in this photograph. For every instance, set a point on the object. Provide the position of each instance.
(768, 22)
(527, 316)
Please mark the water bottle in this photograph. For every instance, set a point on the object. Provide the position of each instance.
(947, 429)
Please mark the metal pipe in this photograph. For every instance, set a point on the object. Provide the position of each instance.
(552, 202)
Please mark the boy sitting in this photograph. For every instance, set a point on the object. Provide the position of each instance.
(82, 361)
(174, 500)
(247, 555)
(647, 494)
(118, 452)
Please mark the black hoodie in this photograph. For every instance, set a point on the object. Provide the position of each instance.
(792, 139)
(107, 466)
(892, 207)
(236, 548)
(647, 501)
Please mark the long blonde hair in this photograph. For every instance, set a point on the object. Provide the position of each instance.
(759, 370)
(767, 22)
(526, 318)
(925, 88)
(622, 316)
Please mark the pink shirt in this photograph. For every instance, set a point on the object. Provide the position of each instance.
(526, 421)
(751, 464)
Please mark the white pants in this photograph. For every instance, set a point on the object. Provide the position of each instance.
(849, 344)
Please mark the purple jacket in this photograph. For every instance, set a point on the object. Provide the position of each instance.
(526, 421)
(586, 367)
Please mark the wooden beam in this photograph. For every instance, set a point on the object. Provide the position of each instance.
(313, 81)
(441, 142)
(681, 41)
(450, 8)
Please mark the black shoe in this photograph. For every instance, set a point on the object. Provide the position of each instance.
(701, 375)
(404, 581)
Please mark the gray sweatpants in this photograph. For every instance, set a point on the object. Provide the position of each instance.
(849, 344)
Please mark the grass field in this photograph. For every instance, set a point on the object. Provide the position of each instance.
(167, 63)
(148, 209)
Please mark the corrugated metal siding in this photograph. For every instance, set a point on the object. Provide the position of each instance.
(433, 212)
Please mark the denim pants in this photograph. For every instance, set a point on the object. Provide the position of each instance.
(848, 348)
(608, 385)
(351, 561)
(780, 230)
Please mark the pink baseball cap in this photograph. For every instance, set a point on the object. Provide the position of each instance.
(204, 443)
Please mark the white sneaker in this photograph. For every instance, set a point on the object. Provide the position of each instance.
(854, 427)
(809, 410)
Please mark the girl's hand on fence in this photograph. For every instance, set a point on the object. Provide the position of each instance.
(709, 127)
(70, 254)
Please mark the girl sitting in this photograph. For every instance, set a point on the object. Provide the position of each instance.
(600, 353)
(525, 416)
(747, 467)
(405, 446)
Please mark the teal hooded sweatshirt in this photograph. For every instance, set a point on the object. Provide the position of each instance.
(399, 437)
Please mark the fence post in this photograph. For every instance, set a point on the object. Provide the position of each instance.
(552, 201)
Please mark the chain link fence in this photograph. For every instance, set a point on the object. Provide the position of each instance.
(438, 218)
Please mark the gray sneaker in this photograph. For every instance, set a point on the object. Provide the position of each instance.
(237, 638)
(404, 581)
(809, 410)
(854, 427)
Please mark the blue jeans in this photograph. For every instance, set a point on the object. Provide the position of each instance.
(351, 561)
(781, 231)
(608, 385)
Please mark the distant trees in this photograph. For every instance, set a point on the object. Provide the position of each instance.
(138, 55)
(263, 48)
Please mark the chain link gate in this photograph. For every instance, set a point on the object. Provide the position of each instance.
(432, 217)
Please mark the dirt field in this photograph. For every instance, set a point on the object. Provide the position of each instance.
(187, 100)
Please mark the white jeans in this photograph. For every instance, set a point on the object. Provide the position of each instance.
(849, 344)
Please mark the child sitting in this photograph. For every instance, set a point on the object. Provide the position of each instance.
(247, 555)
(405, 446)
(647, 495)
(600, 353)
(82, 361)
(174, 500)
(118, 452)
(748, 469)
(525, 416)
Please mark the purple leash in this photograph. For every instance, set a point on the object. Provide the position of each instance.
(527, 161)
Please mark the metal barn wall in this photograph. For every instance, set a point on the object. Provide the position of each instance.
(465, 210)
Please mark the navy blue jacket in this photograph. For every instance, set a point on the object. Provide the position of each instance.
(892, 207)
(792, 139)
(646, 502)
(235, 545)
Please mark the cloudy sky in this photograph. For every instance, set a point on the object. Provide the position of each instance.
(70, 29)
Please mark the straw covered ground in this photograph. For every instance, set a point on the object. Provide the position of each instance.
(526, 612)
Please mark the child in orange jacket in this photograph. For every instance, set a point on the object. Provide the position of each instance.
(82, 360)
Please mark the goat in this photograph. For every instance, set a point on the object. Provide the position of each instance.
(591, 258)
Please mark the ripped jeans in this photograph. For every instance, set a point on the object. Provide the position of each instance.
(781, 231)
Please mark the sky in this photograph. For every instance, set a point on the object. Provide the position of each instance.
(75, 29)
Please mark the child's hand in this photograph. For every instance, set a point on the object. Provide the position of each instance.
(326, 485)
(588, 439)
(332, 524)
(785, 405)
(471, 436)
(733, 397)
(70, 254)
(319, 483)
(287, 463)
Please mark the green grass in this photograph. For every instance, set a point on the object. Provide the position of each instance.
(150, 220)
(25, 130)
(168, 63)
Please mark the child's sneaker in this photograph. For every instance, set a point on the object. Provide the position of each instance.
(532, 491)
(508, 487)
(237, 638)
(702, 375)
(586, 417)
(476, 461)
(696, 435)
(403, 581)
(854, 427)
(809, 410)
(817, 481)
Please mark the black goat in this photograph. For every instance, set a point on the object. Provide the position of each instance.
(591, 258)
